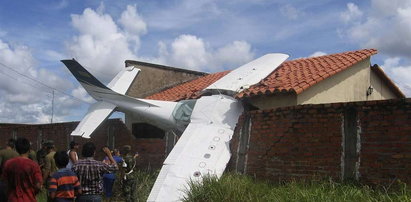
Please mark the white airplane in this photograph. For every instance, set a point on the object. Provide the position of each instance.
(206, 124)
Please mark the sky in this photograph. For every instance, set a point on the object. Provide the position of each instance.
(202, 35)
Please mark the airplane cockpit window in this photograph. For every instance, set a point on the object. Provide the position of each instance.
(182, 112)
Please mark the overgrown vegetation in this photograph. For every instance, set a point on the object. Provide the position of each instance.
(235, 187)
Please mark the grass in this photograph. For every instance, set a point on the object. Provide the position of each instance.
(235, 187)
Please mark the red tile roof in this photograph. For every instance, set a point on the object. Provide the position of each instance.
(297, 75)
(188, 90)
(292, 76)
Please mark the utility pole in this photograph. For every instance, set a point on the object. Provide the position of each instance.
(52, 107)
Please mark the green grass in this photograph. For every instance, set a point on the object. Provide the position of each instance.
(233, 187)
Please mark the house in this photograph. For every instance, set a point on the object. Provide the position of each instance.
(341, 77)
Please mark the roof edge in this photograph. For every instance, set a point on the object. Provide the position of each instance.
(391, 85)
(134, 62)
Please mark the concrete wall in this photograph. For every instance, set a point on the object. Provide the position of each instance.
(381, 90)
(349, 85)
(366, 141)
(346, 86)
(154, 78)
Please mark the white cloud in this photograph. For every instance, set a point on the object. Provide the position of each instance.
(23, 100)
(233, 55)
(82, 94)
(132, 21)
(317, 53)
(387, 27)
(191, 52)
(101, 45)
(352, 13)
(52, 55)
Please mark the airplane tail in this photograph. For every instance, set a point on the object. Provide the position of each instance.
(92, 85)
(106, 97)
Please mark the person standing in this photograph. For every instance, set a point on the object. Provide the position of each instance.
(49, 163)
(32, 153)
(90, 172)
(109, 178)
(129, 180)
(6, 154)
(72, 153)
(22, 175)
(41, 155)
(63, 185)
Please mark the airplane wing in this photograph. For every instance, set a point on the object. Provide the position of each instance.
(97, 113)
(249, 74)
(203, 149)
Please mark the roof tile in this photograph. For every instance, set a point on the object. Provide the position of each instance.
(292, 76)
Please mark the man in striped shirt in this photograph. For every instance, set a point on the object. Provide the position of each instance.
(90, 172)
(63, 184)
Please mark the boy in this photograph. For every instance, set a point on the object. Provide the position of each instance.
(63, 184)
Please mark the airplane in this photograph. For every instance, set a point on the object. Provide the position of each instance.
(206, 125)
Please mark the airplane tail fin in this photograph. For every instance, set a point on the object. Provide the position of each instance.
(107, 98)
(86, 79)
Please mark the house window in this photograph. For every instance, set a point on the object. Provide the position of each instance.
(145, 130)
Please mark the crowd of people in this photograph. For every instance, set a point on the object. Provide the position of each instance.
(24, 172)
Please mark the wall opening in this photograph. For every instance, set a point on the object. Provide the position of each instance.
(350, 144)
(145, 130)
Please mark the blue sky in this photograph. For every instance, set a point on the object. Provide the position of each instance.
(204, 35)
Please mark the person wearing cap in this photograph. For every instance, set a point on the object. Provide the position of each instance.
(49, 163)
(72, 153)
(129, 180)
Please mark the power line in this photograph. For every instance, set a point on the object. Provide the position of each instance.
(52, 108)
(39, 82)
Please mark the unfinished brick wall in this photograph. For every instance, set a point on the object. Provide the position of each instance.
(151, 151)
(385, 142)
(305, 141)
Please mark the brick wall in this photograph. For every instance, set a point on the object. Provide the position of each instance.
(298, 142)
(305, 141)
(152, 151)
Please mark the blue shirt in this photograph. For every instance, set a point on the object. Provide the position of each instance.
(112, 175)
